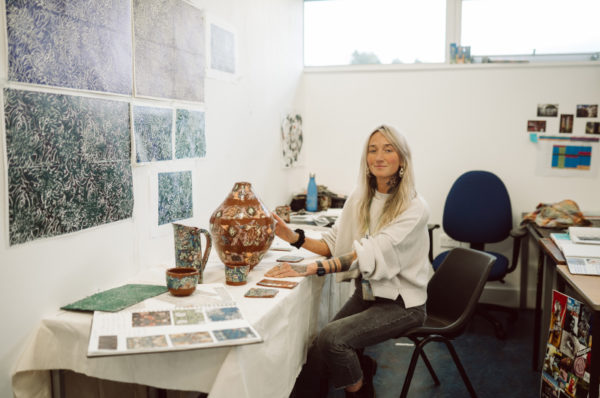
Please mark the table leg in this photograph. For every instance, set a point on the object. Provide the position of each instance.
(524, 271)
(538, 312)
(595, 371)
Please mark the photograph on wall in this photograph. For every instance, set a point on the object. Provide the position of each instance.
(547, 110)
(587, 110)
(592, 128)
(76, 44)
(175, 196)
(567, 156)
(291, 139)
(169, 50)
(152, 128)
(536, 126)
(566, 124)
(566, 366)
(68, 163)
(190, 139)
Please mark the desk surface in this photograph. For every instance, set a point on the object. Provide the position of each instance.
(285, 322)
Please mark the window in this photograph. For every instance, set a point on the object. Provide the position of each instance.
(530, 27)
(343, 32)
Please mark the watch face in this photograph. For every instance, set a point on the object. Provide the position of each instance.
(321, 271)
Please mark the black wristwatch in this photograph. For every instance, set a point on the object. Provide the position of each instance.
(320, 269)
(298, 244)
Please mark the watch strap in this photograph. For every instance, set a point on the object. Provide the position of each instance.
(301, 238)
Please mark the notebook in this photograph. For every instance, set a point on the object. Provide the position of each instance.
(587, 235)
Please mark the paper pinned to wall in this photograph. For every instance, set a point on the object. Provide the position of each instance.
(560, 156)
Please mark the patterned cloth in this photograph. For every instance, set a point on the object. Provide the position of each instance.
(563, 214)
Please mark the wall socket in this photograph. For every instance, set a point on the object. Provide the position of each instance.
(446, 241)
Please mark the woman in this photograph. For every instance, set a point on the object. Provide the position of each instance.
(381, 240)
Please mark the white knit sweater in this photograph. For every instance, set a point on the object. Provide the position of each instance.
(394, 260)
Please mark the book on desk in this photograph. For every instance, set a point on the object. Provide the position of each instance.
(581, 258)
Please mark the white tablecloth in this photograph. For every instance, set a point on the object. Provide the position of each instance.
(286, 323)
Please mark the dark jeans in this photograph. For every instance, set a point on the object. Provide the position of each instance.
(334, 355)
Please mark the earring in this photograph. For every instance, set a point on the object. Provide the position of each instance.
(401, 171)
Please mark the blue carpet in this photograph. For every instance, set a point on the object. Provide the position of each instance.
(497, 368)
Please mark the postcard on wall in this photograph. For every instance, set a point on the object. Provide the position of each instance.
(222, 52)
(547, 110)
(566, 124)
(566, 367)
(584, 110)
(568, 156)
(536, 126)
(207, 318)
(292, 140)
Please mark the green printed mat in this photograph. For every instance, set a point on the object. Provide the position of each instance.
(116, 299)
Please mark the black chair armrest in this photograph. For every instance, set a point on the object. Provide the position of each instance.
(430, 228)
(517, 234)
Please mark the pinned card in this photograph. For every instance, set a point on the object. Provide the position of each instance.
(258, 292)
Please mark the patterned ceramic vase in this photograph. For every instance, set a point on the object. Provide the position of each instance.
(242, 228)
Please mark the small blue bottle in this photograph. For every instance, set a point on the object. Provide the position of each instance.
(311, 194)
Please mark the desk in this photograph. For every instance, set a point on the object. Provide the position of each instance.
(552, 263)
(269, 369)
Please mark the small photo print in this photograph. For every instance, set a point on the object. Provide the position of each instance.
(566, 124)
(107, 342)
(188, 317)
(150, 318)
(547, 110)
(587, 110)
(190, 338)
(592, 128)
(233, 334)
(146, 342)
(224, 314)
(536, 125)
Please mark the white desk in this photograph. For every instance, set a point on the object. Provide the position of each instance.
(269, 369)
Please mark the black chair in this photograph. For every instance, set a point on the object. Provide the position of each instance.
(452, 295)
(478, 211)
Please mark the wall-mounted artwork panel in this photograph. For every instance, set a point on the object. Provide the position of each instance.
(152, 128)
(175, 196)
(190, 139)
(80, 44)
(169, 50)
(222, 49)
(68, 163)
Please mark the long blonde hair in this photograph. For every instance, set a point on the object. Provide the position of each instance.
(400, 195)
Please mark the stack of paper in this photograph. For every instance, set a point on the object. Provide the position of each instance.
(582, 258)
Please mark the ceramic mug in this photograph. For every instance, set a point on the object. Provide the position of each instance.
(182, 281)
(188, 247)
(283, 212)
(236, 275)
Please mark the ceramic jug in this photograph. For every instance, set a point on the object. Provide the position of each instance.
(188, 247)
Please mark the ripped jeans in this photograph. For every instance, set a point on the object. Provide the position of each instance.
(334, 355)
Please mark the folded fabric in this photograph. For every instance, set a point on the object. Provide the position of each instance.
(116, 299)
(563, 214)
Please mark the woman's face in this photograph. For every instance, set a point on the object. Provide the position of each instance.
(382, 158)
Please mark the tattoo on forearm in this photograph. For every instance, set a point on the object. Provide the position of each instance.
(301, 269)
(339, 264)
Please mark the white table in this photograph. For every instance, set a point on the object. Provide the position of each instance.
(286, 323)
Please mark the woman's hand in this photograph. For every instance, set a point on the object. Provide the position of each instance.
(286, 270)
(283, 231)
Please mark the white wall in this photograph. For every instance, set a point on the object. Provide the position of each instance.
(456, 118)
(242, 127)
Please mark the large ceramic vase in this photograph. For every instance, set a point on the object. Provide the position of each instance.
(242, 228)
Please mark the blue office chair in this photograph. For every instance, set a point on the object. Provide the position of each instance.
(478, 211)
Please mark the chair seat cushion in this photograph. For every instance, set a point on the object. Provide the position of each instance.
(498, 270)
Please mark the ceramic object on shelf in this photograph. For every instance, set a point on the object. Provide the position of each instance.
(182, 281)
(188, 247)
(237, 274)
(242, 227)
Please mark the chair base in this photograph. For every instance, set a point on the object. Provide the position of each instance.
(418, 351)
(484, 309)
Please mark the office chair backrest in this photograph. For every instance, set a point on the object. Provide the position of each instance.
(477, 209)
(455, 288)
